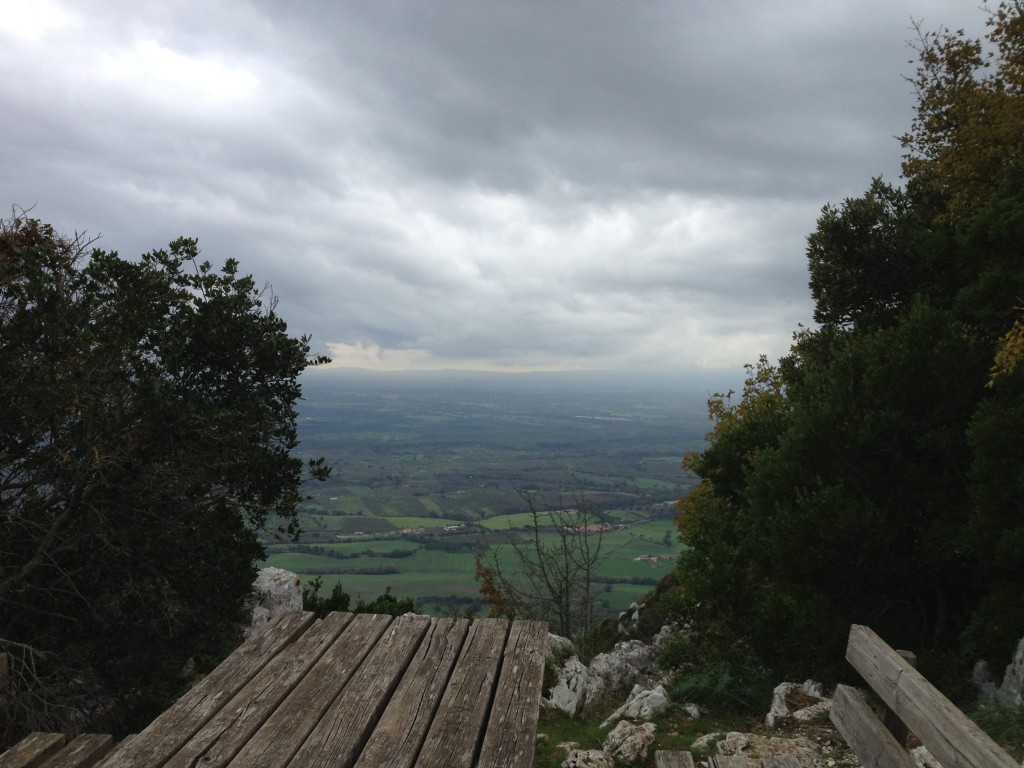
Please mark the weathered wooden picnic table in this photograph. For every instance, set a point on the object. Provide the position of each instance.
(360, 690)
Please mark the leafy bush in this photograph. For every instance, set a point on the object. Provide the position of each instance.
(725, 681)
(340, 600)
(386, 603)
(312, 601)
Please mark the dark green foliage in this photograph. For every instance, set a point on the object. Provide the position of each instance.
(861, 259)
(146, 431)
(873, 477)
(723, 679)
(995, 529)
(386, 603)
(312, 600)
(340, 600)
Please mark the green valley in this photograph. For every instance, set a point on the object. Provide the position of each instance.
(430, 468)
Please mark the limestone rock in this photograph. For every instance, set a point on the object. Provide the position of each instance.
(275, 591)
(706, 741)
(569, 693)
(609, 674)
(813, 712)
(781, 712)
(669, 631)
(588, 758)
(642, 704)
(629, 742)
(981, 676)
(755, 747)
(629, 620)
(923, 758)
(692, 711)
(1011, 692)
(617, 671)
(560, 647)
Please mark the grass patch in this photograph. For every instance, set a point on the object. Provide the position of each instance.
(301, 563)
(345, 505)
(675, 730)
(359, 490)
(1004, 724)
(559, 728)
(348, 524)
(376, 546)
(451, 573)
(431, 506)
(421, 522)
(504, 522)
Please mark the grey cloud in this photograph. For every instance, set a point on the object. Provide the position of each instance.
(522, 184)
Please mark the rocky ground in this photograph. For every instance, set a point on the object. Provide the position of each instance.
(812, 740)
(797, 724)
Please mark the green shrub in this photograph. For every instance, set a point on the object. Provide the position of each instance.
(321, 606)
(386, 603)
(729, 681)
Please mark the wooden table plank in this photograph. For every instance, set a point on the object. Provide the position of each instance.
(401, 730)
(280, 737)
(229, 730)
(82, 751)
(455, 734)
(340, 735)
(31, 751)
(164, 736)
(512, 726)
(672, 759)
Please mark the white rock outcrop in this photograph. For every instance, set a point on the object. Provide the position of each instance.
(780, 710)
(275, 591)
(629, 742)
(629, 620)
(668, 632)
(642, 704)
(609, 674)
(560, 647)
(569, 693)
(588, 758)
(755, 747)
(981, 676)
(923, 758)
(1011, 692)
(617, 671)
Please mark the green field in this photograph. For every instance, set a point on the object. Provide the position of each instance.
(425, 453)
(431, 573)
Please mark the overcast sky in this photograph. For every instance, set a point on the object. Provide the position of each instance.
(514, 185)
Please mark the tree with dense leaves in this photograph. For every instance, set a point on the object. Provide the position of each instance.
(147, 433)
(873, 476)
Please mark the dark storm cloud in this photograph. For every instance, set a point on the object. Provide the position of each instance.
(471, 184)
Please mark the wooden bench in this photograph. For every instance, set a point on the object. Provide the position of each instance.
(952, 738)
(353, 690)
(48, 750)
